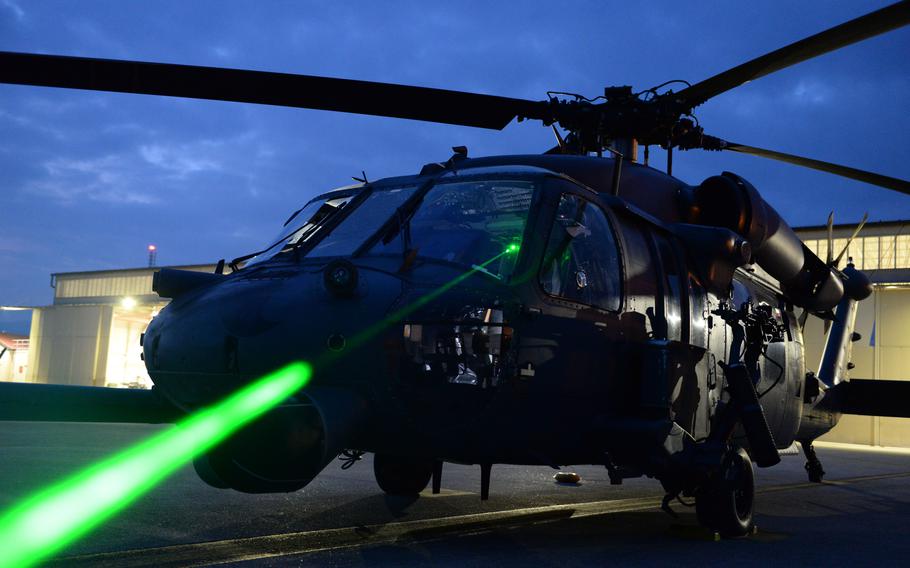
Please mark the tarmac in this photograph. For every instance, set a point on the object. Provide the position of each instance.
(860, 515)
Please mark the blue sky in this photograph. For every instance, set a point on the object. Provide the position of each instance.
(88, 179)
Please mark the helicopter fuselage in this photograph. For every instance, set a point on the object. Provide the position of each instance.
(602, 344)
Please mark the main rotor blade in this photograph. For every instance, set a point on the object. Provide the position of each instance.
(864, 27)
(896, 184)
(261, 87)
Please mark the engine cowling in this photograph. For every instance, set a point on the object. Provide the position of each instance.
(731, 202)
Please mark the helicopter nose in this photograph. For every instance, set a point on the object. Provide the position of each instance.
(209, 342)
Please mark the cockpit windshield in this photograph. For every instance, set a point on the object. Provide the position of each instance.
(361, 223)
(303, 225)
(476, 223)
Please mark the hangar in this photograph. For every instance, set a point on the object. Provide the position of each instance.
(90, 334)
(13, 357)
(883, 321)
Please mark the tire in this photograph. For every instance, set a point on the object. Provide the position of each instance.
(727, 504)
(402, 476)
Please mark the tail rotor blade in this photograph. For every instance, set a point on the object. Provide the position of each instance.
(830, 227)
(850, 240)
(803, 318)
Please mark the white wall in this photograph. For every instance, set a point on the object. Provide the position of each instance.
(13, 365)
(66, 345)
(888, 311)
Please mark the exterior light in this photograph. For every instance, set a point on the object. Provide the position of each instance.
(152, 248)
(128, 303)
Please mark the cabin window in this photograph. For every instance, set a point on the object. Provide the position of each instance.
(672, 287)
(581, 262)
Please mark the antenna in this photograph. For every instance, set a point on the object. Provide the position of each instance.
(153, 255)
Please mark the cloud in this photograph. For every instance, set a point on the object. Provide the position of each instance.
(148, 173)
(108, 179)
(17, 10)
(808, 92)
(57, 105)
(793, 96)
(94, 38)
(239, 160)
(181, 160)
(25, 122)
(223, 52)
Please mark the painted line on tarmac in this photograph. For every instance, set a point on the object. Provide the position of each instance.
(427, 494)
(257, 548)
(862, 448)
(277, 545)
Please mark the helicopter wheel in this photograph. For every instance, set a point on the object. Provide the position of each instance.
(728, 506)
(400, 475)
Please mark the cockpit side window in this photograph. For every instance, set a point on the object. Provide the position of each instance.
(581, 262)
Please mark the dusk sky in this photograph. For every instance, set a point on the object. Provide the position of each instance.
(88, 179)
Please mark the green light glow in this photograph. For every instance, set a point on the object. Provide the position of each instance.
(50, 520)
(53, 518)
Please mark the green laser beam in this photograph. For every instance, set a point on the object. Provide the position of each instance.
(53, 518)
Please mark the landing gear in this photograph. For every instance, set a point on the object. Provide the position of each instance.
(400, 475)
(813, 464)
(727, 503)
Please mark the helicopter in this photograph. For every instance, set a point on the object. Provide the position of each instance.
(570, 307)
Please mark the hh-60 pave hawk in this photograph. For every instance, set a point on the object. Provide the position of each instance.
(573, 307)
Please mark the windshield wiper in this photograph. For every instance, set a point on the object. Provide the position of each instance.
(300, 241)
(478, 268)
(399, 221)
